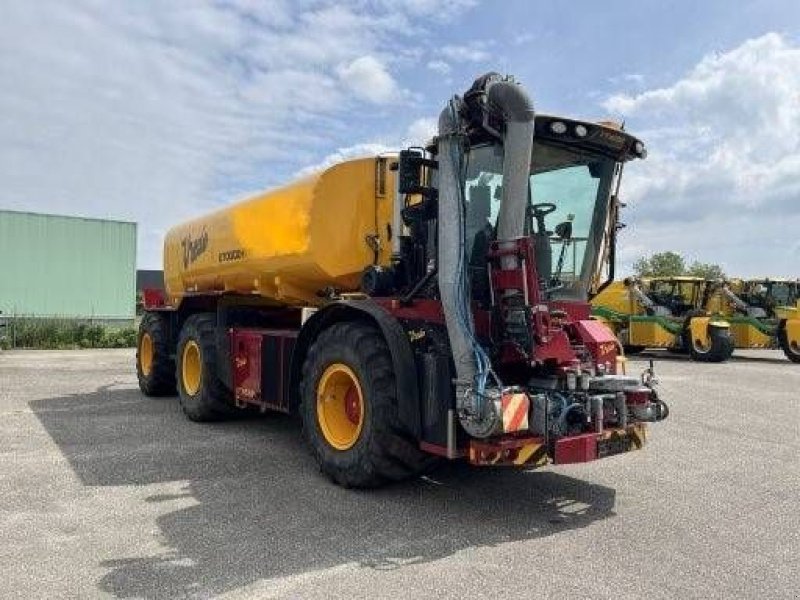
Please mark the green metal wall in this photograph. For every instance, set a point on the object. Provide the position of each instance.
(66, 266)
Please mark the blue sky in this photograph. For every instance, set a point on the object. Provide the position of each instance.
(157, 111)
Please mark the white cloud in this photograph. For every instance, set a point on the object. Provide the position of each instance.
(724, 157)
(439, 66)
(627, 78)
(156, 112)
(438, 9)
(346, 153)
(472, 52)
(420, 132)
(369, 80)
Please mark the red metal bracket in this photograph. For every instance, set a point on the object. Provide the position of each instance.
(519, 279)
(153, 298)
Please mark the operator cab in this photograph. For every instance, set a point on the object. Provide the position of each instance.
(769, 294)
(569, 206)
(677, 295)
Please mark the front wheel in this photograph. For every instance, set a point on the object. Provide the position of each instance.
(349, 409)
(716, 347)
(790, 347)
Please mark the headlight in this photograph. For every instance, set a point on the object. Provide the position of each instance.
(640, 150)
(581, 131)
(558, 127)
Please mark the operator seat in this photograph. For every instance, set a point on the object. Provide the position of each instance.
(479, 232)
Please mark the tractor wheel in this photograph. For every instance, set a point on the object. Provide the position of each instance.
(202, 395)
(155, 366)
(349, 409)
(717, 348)
(790, 348)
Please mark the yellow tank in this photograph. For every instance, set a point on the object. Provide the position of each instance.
(289, 243)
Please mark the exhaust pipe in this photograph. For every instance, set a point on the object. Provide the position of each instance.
(477, 407)
(451, 261)
(516, 108)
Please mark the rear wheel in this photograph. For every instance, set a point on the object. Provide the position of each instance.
(349, 409)
(202, 395)
(790, 347)
(155, 366)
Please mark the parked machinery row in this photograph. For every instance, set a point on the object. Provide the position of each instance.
(704, 318)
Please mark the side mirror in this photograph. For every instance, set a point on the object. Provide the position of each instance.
(564, 230)
(410, 172)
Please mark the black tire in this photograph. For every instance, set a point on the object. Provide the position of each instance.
(382, 452)
(157, 377)
(634, 350)
(211, 401)
(721, 347)
(792, 353)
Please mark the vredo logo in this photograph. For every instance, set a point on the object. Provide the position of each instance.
(193, 248)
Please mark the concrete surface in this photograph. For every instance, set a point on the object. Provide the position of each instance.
(105, 493)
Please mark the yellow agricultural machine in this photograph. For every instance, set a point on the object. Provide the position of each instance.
(763, 313)
(665, 313)
(431, 303)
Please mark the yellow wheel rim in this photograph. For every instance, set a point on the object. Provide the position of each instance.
(702, 345)
(146, 354)
(191, 368)
(340, 406)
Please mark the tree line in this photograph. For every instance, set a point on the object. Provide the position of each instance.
(672, 264)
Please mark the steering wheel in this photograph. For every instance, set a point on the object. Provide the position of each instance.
(540, 211)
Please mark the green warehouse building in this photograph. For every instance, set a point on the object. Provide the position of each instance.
(59, 266)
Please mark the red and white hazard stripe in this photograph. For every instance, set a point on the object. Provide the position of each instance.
(515, 412)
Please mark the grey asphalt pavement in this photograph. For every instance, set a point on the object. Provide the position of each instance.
(106, 493)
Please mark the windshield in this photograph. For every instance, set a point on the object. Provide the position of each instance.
(567, 211)
(775, 293)
(678, 296)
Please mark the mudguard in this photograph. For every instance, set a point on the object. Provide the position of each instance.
(700, 327)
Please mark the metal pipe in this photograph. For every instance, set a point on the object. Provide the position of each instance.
(417, 287)
(451, 434)
(489, 95)
(397, 217)
(516, 108)
(621, 407)
(643, 298)
(597, 413)
(458, 319)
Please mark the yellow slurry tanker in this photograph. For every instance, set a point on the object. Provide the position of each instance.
(763, 313)
(664, 312)
(428, 304)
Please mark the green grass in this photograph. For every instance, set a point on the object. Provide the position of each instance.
(63, 334)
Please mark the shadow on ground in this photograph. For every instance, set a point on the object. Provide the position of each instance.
(263, 510)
